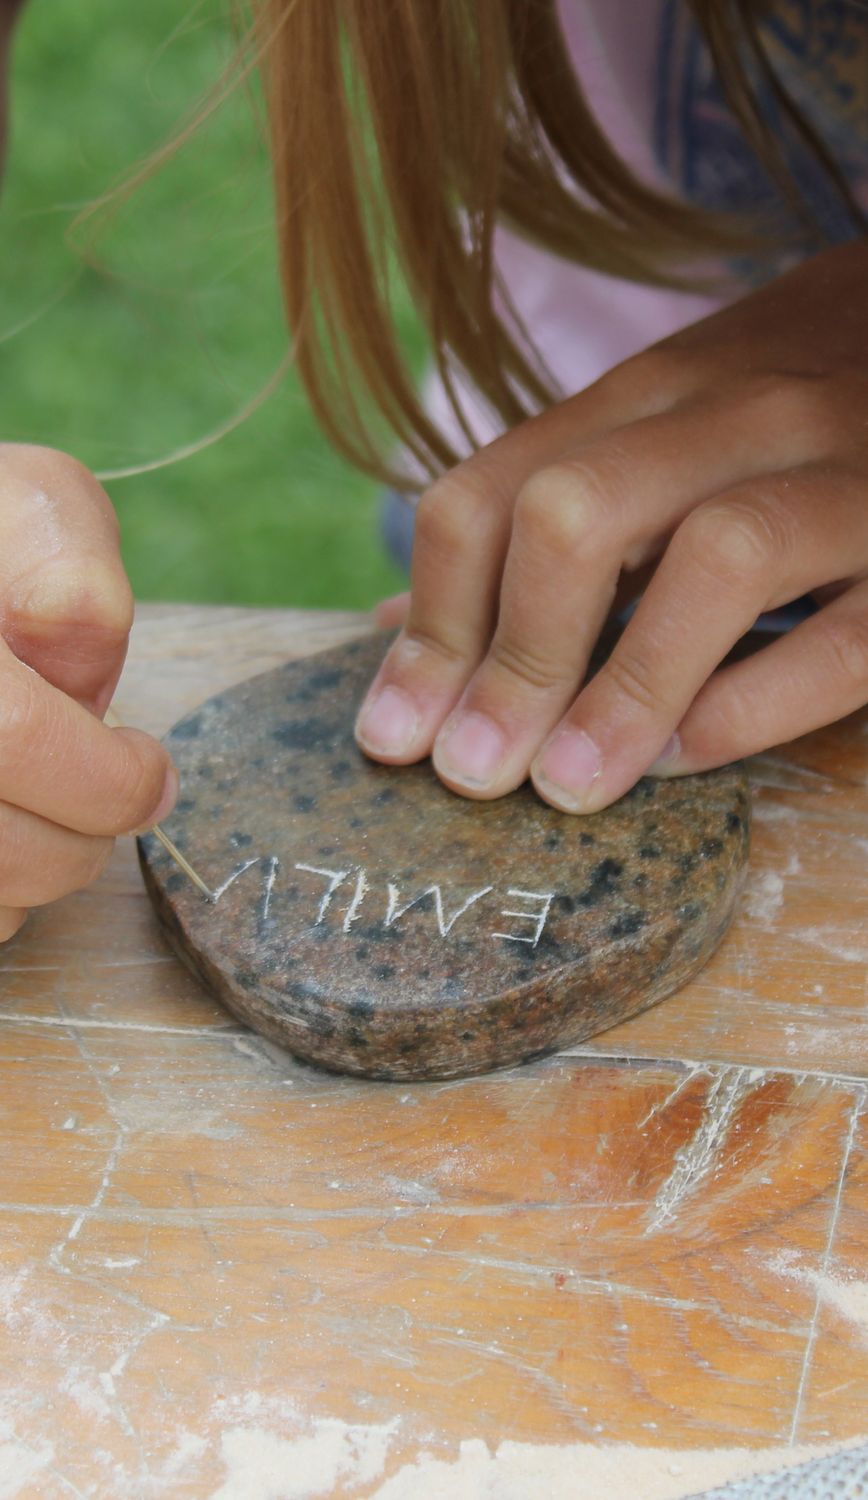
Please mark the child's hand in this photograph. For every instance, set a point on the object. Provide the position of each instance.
(67, 784)
(732, 459)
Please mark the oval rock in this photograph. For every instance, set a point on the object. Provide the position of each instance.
(374, 923)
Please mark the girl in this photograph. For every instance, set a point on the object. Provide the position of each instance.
(634, 229)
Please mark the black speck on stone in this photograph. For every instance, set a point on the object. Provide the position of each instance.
(553, 840)
(627, 923)
(565, 903)
(356, 823)
(301, 694)
(362, 951)
(384, 796)
(240, 840)
(587, 839)
(733, 822)
(340, 770)
(176, 881)
(324, 679)
(303, 803)
(690, 911)
(185, 805)
(604, 879)
(304, 734)
(386, 971)
(710, 848)
(650, 851)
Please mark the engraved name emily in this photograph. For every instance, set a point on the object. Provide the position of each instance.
(337, 896)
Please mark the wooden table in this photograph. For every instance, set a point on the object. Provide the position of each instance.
(225, 1274)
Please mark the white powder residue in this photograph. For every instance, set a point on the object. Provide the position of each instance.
(188, 1447)
(11, 1287)
(848, 1296)
(410, 1192)
(88, 1397)
(262, 1465)
(837, 943)
(19, 1463)
(155, 1114)
(774, 812)
(580, 1471)
(763, 896)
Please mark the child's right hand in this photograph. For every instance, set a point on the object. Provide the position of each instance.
(68, 784)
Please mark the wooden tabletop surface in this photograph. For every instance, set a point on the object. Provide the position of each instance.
(636, 1269)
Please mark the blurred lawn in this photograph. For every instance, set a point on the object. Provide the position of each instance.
(123, 367)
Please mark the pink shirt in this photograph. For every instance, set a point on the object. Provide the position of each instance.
(581, 321)
(635, 57)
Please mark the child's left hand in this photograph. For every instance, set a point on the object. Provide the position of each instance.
(732, 462)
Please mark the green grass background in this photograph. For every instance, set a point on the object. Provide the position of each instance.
(123, 365)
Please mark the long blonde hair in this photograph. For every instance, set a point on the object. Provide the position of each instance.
(401, 132)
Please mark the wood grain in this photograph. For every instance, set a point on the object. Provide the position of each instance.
(212, 1255)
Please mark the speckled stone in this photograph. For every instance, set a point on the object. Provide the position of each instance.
(374, 923)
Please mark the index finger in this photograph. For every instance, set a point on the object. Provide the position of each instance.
(67, 604)
(463, 528)
(59, 761)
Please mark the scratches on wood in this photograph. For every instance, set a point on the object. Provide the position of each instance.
(699, 1156)
(856, 1110)
(631, 1243)
(694, 1070)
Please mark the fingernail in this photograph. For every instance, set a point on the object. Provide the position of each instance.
(168, 798)
(171, 787)
(388, 722)
(470, 750)
(667, 760)
(568, 767)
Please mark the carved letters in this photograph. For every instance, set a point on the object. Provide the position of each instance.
(347, 890)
